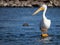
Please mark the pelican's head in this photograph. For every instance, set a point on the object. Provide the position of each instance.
(43, 7)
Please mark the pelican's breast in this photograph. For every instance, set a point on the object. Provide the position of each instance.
(47, 23)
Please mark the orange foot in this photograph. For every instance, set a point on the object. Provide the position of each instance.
(44, 35)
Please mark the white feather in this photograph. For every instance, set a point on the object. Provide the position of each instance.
(45, 22)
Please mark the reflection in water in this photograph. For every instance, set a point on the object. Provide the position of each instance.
(46, 40)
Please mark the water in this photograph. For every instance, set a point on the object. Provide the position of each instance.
(12, 31)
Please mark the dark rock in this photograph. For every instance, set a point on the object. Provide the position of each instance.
(25, 24)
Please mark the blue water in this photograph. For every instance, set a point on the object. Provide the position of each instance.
(12, 31)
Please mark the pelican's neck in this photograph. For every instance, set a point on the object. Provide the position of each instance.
(44, 17)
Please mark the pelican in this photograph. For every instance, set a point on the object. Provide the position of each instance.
(45, 25)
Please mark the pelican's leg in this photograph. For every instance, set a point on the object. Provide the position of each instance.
(44, 32)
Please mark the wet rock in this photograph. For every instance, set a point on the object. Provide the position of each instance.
(25, 24)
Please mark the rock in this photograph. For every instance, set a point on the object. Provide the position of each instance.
(56, 2)
(10, 3)
(14, 5)
(29, 3)
(1, 3)
(5, 4)
(25, 24)
(50, 5)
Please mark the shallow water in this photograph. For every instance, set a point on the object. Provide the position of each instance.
(12, 31)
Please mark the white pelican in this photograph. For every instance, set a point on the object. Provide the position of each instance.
(45, 25)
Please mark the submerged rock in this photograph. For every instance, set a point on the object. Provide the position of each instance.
(25, 24)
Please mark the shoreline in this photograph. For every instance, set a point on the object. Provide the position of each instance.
(27, 7)
(29, 3)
